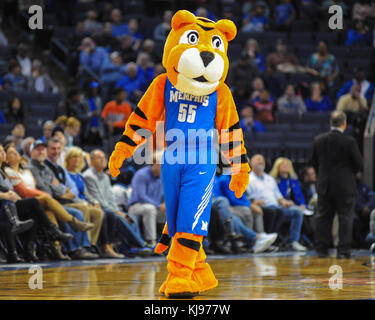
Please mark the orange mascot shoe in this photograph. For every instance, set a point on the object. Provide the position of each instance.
(181, 258)
(203, 274)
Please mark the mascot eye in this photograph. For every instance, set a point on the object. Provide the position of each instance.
(217, 43)
(190, 37)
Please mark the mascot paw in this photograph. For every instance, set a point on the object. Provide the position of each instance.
(117, 158)
(239, 183)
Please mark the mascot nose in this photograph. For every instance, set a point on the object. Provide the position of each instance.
(207, 57)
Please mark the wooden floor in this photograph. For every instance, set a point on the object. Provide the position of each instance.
(253, 277)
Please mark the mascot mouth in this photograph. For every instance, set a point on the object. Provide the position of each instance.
(199, 79)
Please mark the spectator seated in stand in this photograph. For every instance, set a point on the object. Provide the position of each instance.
(288, 183)
(47, 130)
(359, 77)
(256, 22)
(285, 14)
(132, 82)
(162, 29)
(74, 163)
(290, 102)
(146, 200)
(353, 101)
(317, 102)
(113, 69)
(253, 50)
(364, 205)
(45, 181)
(119, 28)
(323, 66)
(14, 80)
(15, 111)
(116, 112)
(281, 60)
(17, 135)
(91, 56)
(145, 69)
(248, 123)
(99, 190)
(242, 70)
(137, 37)
(232, 225)
(359, 35)
(91, 25)
(264, 107)
(40, 82)
(264, 192)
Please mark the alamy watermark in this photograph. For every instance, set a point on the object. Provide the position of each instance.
(336, 281)
(36, 280)
(36, 19)
(336, 21)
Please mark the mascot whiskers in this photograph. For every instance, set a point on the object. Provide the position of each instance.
(191, 95)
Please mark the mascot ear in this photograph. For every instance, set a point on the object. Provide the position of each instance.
(182, 18)
(228, 28)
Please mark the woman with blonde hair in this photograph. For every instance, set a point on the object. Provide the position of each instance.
(74, 163)
(72, 128)
(24, 184)
(288, 183)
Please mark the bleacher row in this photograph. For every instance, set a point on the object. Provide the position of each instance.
(291, 136)
(37, 109)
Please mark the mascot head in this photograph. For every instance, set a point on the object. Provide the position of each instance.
(195, 53)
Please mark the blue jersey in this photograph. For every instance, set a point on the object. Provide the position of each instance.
(189, 123)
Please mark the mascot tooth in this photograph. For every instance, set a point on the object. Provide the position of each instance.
(191, 95)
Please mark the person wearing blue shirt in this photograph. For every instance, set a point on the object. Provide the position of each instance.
(257, 22)
(240, 207)
(91, 56)
(360, 34)
(287, 181)
(119, 28)
(146, 200)
(248, 123)
(285, 13)
(317, 101)
(132, 82)
(367, 88)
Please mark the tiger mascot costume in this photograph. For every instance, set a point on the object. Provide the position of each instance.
(190, 95)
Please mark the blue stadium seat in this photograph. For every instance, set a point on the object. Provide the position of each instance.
(302, 26)
(234, 52)
(270, 150)
(34, 131)
(283, 127)
(287, 118)
(307, 127)
(269, 136)
(305, 137)
(316, 117)
(298, 151)
(5, 129)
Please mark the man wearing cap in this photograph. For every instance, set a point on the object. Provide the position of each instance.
(46, 181)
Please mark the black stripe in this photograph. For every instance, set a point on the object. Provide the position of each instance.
(127, 140)
(242, 158)
(230, 145)
(140, 113)
(205, 28)
(205, 19)
(135, 127)
(165, 239)
(195, 245)
(235, 126)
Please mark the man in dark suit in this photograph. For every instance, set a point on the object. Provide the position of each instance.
(337, 159)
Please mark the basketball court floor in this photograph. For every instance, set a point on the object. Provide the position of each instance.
(284, 275)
